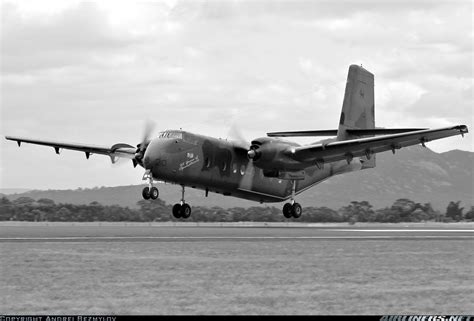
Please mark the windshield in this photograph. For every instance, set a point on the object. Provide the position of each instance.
(171, 134)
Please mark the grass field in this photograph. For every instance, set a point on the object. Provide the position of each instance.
(243, 277)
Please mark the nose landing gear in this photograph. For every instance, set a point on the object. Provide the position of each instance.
(149, 192)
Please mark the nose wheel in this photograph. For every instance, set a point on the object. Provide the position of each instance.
(149, 192)
(182, 209)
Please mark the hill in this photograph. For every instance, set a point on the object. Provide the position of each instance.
(415, 173)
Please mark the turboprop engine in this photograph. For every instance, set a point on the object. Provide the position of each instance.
(273, 156)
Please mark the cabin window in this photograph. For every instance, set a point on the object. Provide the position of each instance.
(242, 170)
(224, 166)
(207, 161)
(234, 168)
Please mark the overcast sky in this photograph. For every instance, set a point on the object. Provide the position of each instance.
(95, 71)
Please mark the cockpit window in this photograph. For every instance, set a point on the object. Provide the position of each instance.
(171, 134)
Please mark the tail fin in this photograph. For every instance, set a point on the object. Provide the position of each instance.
(358, 106)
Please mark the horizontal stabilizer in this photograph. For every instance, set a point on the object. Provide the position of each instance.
(323, 132)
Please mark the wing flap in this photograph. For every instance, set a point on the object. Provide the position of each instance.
(347, 149)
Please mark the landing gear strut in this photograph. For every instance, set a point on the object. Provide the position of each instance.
(150, 191)
(292, 209)
(181, 209)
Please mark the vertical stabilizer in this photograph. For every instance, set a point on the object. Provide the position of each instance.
(358, 106)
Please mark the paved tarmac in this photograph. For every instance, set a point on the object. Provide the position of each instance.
(218, 232)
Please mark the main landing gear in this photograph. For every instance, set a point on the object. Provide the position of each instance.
(292, 209)
(181, 209)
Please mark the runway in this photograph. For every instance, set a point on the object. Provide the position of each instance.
(236, 268)
(195, 232)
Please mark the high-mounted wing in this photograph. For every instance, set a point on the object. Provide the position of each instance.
(333, 132)
(117, 150)
(304, 133)
(347, 149)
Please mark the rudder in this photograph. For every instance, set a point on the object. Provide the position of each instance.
(358, 106)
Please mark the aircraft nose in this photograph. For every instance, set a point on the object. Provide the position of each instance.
(146, 162)
(152, 154)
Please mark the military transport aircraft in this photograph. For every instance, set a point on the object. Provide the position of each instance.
(269, 169)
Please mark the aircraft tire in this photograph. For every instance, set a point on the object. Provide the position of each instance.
(185, 211)
(146, 193)
(296, 210)
(177, 210)
(287, 210)
(154, 193)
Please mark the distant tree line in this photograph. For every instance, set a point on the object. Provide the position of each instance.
(402, 210)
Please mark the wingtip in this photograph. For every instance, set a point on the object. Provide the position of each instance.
(18, 141)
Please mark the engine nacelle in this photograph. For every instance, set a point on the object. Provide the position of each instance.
(271, 155)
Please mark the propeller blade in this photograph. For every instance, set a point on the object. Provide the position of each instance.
(235, 134)
(247, 180)
(149, 126)
(119, 161)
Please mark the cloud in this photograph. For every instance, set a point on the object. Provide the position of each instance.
(94, 71)
(64, 39)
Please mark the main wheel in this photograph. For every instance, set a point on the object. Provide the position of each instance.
(296, 210)
(287, 210)
(185, 211)
(154, 193)
(177, 210)
(146, 193)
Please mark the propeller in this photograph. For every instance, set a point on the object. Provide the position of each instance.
(242, 146)
(235, 134)
(141, 147)
(139, 150)
(253, 153)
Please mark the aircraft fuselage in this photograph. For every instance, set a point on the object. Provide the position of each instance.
(216, 165)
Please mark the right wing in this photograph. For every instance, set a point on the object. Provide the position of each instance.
(347, 149)
(333, 132)
(117, 150)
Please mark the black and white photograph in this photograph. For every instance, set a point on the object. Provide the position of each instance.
(237, 157)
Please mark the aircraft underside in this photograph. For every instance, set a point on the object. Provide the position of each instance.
(252, 185)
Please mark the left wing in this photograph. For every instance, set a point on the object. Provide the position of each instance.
(117, 150)
(347, 149)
